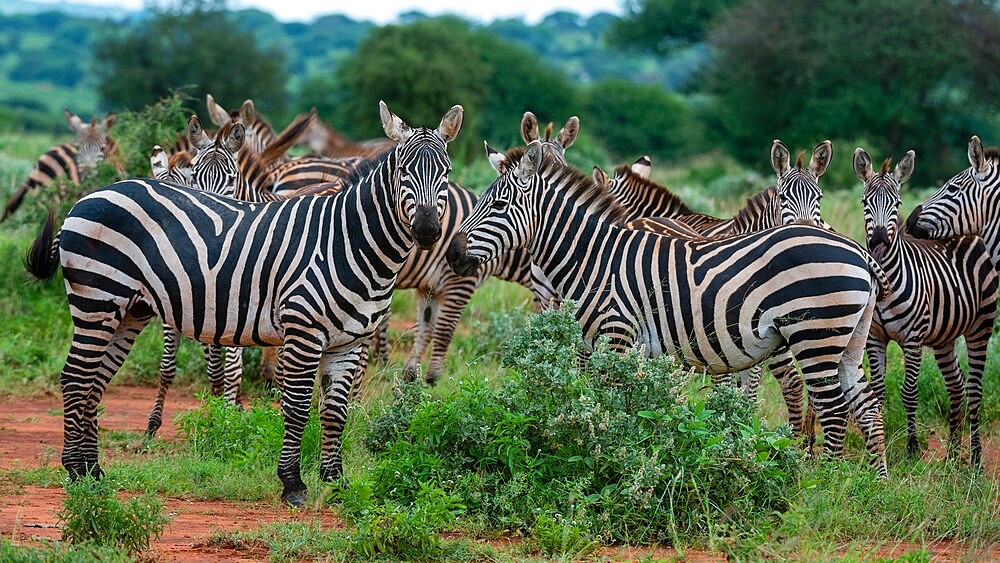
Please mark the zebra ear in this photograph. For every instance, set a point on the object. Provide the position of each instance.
(821, 157)
(530, 161)
(158, 163)
(600, 176)
(75, 123)
(393, 126)
(196, 134)
(237, 136)
(976, 157)
(862, 165)
(109, 120)
(248, 113)
(216, 113)
(568, 134)
(451, 123)
(642, 167)
(779, 158)
(529, 127)
(497, 159)
(904, 168)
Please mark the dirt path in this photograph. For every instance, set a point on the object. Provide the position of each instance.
(31, 436)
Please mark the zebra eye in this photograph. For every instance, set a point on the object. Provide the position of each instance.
(499, 204)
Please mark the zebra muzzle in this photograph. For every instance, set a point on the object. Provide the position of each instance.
(461, 262)
(913, 225)
(426, 227)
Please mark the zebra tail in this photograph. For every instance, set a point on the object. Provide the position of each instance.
(884, 288)
(42, 259)
(287, 138)
(14, 202)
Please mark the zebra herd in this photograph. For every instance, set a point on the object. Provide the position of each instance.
(234, 244)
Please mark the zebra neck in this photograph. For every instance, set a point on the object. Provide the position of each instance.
(760, 212)
(892, 261)
(370, 216)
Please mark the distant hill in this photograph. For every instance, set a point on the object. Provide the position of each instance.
(46, 52)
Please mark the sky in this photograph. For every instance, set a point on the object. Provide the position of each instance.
(384, 11)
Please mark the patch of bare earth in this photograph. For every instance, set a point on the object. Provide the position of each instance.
(31, 437)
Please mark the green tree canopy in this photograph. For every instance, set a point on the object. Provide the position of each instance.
(901, 73)
(194, 43)
(657, 26)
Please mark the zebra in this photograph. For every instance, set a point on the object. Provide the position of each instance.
(300, 174)
(722, 305)
(74, 160)
(259, 131)
(940, 290)
(313, 275)
(323, 140)
(967, 204)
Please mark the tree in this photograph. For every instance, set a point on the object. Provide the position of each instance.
(901, 73)
(195, 43)
(658, 26)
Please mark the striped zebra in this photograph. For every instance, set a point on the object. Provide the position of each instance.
(259, 131)
(323, 140)
(73, 160)
(300, 174)
(721, 305)
(313, 275)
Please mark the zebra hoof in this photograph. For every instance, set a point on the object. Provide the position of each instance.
(410, 374)
(331, 475)
(151, 429)
(295, 499)
(432, 379)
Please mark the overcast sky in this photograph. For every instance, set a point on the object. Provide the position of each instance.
(383, 11)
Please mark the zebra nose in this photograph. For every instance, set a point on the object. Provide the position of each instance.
(426, 227)
(458, 256)
(913, 225)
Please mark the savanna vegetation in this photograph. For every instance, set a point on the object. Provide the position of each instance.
(517, 441)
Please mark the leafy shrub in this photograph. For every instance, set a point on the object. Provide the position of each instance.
(156, 124)
(92, 513)
(245, 438)
(618, 445)
(499, 326)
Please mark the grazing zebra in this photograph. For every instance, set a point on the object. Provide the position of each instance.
(324, 140)
(313, 275)
(967, 204)
(722, 305)
(74, 160)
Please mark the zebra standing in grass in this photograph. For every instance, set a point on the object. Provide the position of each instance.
(74, 160)
(314, 275)
(722, 305)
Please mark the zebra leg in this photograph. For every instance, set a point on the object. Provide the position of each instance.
(912, 354)
(426, 316)
(876, 365)
(232, 377)
(859, 395)
(297, 361)
(101, 341)
(357, 387)
(337, 372)
(213, 364)
(793, 392)
(168, 369)
(749, 381)
(452, 298)
(269, 363)
(954, 382)
(823, 383)
(977, 342)
(381, 348)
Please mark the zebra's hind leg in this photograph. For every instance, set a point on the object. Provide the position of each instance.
(426, 317)
(297, 361)
(381, 340)
(793, 393)
(977, 342)
(954, 382)
(101, 341)
(213, 365)
(452, 298)
(232, 376)
(337, 371)
(749, 381)
(168, 369)
(862, 400)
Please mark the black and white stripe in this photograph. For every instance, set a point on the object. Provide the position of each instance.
(720, 305)
(940, 290)
(314, 275)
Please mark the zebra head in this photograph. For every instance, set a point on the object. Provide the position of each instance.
(553, 147)
(965, 204)
(881, 199)
(504, 217)
(798, 189)
(421, 174)
(91, 138)
(258, 131)
(214, 168)
(176, 169)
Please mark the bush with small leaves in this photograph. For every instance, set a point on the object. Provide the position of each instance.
(92, 513)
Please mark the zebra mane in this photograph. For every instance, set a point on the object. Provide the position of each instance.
(647, 186)
(578, 186)
(885, 166)
(365, 167)
(798, 161)
(757, 201)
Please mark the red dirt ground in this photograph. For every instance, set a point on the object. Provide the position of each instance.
(31, 436)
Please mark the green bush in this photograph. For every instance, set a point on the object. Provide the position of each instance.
(92, 513)
(616, 451)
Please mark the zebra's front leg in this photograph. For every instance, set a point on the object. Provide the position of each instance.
(426, 317)
(233, 375)
(297, 361)
(912, 355)
(793, 392)
(381, 348)
(215, 369)
(954, 382)
(337, 372)
(876, 365)
(168, 370)
(452, 298)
